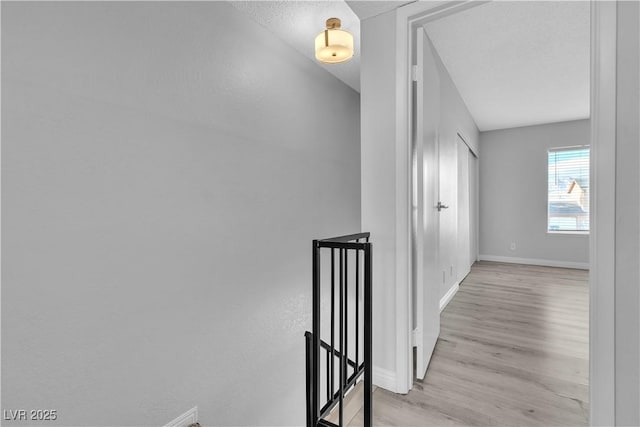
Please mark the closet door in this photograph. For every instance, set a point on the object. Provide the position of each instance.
(448, 203)
(474, 207)
(464, 211)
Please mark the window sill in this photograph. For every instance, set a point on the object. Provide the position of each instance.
(574, 233)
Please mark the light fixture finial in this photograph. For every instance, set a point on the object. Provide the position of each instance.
(333, 23)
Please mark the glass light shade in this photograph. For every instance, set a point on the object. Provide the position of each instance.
(334, 45)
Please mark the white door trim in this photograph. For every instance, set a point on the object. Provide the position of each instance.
(407, 19)
(602, 233)
(602, 240)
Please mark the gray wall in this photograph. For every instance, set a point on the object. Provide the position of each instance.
(627, 292)
(164, 169)
(455, 117)
(378, 90)
(513, 195)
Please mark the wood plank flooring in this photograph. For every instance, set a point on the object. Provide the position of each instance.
(513, 351)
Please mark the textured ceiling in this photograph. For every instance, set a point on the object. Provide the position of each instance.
(515, 63)
(518, 63)
(368, 8)
(298, 23)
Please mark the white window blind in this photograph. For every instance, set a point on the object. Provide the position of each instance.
(568, 190)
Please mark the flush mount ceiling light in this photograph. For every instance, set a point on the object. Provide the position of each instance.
(334, 45)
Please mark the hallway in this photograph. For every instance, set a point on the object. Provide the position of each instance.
(513, 350)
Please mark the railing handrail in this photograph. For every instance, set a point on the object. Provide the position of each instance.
(346, 238)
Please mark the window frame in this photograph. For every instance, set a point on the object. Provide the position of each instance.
(567, 232)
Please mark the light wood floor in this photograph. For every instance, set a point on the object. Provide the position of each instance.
(513, 351)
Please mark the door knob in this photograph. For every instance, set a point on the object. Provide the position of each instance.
(441, 206)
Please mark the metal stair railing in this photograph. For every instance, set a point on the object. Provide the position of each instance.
(331, 352)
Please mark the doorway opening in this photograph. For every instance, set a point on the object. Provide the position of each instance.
(602, 115)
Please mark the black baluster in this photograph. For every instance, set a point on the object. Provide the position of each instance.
(357, 305)
(328, 391)
(342, 355)
(309, 377)
(346, 318)
(368, 336)
(316, 332)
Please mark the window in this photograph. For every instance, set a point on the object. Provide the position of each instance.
(568, 190)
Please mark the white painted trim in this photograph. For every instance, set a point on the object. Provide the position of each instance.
(536, 261)
(404, 308)
(416, 336)
(352, 404)
(406, 18)
(186, 419)
(449, 295)
(602, 237)
(603, 215)
(464, 139)
(384, 378)
(571, 233)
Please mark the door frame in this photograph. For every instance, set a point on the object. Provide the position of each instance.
(602, 216)
(408, 18)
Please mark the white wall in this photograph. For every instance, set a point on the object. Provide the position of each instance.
(627, 292)
(513, 195)
(379, 184)
(164, 169)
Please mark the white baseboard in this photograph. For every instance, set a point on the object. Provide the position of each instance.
(186, 419)
(449, 295)
(535, 261)
(384, 378)
(353, 403)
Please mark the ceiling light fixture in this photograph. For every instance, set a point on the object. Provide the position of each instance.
(334, 45)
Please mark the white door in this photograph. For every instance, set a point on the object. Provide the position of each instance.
(464, 210)
(448, 250)
(473, 203)
(425, 201)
